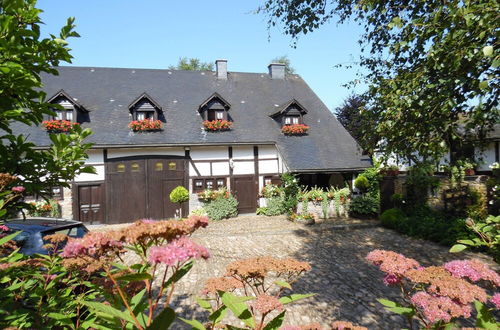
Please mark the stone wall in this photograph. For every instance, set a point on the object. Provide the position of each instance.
(67, 204)
(317, 210)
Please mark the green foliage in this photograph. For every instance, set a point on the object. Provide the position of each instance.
(424, 62)
(373, 175)
(478, 209)
(275, 206)
(200, 212)
(179, 195)
(222, 208)
(289, 69)
(419, 182)
(362, 183)
(271, 190)
(50, 208)
(192, 64)
(364, 206)
(486, 235)
(390, 218)
(24, 56)
(291, 190)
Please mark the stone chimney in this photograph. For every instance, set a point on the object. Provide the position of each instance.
(276, 70)
(221, 68)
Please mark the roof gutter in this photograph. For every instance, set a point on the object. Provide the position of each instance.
(155, 145)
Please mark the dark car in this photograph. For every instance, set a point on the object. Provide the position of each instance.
(31, 239)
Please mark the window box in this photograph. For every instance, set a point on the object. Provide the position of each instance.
(145, 125)
(58, 126)
(295, 129)
(217, 125)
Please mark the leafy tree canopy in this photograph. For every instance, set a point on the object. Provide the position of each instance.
(432, 66)
(289, 69)
(24, 56)
(192, 64)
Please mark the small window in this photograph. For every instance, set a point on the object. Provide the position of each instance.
(292, 120)
(159, 167)
(221, 183)
(120, 168)
(57, 193)
(268, 180)
(172, 166)
(220, 114)
(198, 185)
(64, 115)
(209, 184)
(135, 167)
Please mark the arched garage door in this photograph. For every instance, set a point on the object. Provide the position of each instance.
(139, 187)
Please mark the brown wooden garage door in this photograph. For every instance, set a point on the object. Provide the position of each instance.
(138, 188)
(245, 190)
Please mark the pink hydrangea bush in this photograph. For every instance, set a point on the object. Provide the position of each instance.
(436, 295)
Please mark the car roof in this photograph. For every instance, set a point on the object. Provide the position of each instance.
(40, 224)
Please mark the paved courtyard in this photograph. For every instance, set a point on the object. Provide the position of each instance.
(346, 286)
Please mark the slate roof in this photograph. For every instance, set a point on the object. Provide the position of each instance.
(107, 92)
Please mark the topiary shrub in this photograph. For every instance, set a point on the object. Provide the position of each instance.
(391, 217)
(362, 183)
(364, 206)
(222, 208)
(179, 195)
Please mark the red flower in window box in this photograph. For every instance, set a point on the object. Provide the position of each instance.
(295, 129)
(217, 125)
(58, 126)
(145, 125)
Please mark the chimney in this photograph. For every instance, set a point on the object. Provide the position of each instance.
(276, 70)
(221, 68)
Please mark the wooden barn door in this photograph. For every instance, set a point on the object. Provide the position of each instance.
(126, 190)
(90, 203)
(245, 190)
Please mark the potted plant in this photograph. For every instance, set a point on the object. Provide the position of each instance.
(469, 168)
(217, 125)
(391, 170)
(145, 125)
(295, 129)
(305, 218)
(179, 195)
(58, 126)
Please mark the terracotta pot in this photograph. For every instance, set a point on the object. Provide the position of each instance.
(470, 171)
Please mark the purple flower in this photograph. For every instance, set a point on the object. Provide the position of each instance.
(474, 270)
(18, 189)
(177, 252)
(391, 279)
(4, 228)
(73, 248)
(439, 308)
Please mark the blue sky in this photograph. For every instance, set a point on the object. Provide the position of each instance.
(155, 33)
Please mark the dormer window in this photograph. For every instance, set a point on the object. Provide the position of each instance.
(144, 107)
(215, 108)
(69, 109)
(292, 113)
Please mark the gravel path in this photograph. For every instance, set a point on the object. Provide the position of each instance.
(346, 286)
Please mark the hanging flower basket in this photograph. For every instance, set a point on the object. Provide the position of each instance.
(58, 126)
(295, 129)
(217, 125)
(145, 125)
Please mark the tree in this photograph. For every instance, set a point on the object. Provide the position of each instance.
(23, 57)
(350, 115)
(289, 69)
(192, 64)
(433, 66)
(179, 195)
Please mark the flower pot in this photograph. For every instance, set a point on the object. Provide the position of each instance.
(469, 171)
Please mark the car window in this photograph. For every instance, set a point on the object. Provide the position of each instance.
(22, 239)
(73, 232)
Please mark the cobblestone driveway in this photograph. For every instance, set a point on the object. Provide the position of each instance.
(346, 286)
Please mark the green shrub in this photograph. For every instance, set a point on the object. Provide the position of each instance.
(222, 208)
(275, 206)
(179, 195)
(366, 205)
(362, 183)
(391, 217)
(49, 208)
(291, 191)
(199, 212)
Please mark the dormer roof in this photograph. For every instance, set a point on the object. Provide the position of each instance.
(144, 96)
(213, 98)
(62, 94)
(293, 104)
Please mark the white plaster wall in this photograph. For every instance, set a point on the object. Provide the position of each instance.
(160, 151)
(268, 166)
(243, 152)
(92, 177)
(203, 168)
(96, 156)
(202, 153)
(220, 168)
(487, 157)
(243, 168)
(267, 152)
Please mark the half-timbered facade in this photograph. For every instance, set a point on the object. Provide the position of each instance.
(136, 170)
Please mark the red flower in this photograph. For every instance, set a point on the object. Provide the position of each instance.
(295, 129)
(217, 125)
(145, 125)
(58, 126)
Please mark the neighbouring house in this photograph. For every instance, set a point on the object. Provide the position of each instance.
(157, 129)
